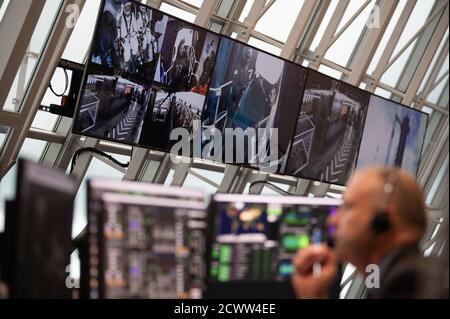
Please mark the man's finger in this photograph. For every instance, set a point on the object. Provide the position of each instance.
(305, 259)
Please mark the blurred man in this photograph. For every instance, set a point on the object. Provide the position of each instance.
(243, 74)
(128, 32)
(181, 67)
(379, 226)
(143, 21)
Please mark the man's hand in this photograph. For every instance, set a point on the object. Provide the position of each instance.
(308, 283)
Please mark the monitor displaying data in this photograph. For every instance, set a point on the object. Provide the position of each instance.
(329, 130)
(393, 135)
(145, 241)
(254, 238)
(38, 229)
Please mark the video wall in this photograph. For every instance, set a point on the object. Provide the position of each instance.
(151, 73)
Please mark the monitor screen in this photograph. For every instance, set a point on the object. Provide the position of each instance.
(329, 130)
(147, 75)
(38, 233)
(128, 39)
(256, 237)
(254, 92)
(117, 88)
(145, 241)
(393, 135)
(112, 107)
(181, 82)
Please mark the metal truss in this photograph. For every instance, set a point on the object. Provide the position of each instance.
(20, 20)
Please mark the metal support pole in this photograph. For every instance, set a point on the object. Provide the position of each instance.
(205, 13)
(299, 28)
(44, 71)
(16, 30)
(250, 21)
(366, 50)
(137, 162)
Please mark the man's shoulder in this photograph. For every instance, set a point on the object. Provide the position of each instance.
(406, 275)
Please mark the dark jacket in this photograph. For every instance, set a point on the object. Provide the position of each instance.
(406, 274)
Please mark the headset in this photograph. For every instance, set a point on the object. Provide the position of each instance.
(381, 222)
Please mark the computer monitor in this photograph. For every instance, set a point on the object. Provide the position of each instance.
(393, 135)
(255, 92)
(253, 240)
(145, 241)
(329, 130)
(38, 233)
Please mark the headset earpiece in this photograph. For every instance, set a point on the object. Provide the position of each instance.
(380, 223)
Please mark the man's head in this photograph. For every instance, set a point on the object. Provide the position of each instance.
(389, 194)
(127, 9)
(143, 10)
(247, 55)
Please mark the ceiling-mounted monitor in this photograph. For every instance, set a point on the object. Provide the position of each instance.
(181, 82)
(329, 130)
(148, 73)
(254, 92)
(393, 135)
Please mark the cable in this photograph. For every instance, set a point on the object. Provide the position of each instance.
(66, 75)
(269, 183)
(97, 151)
